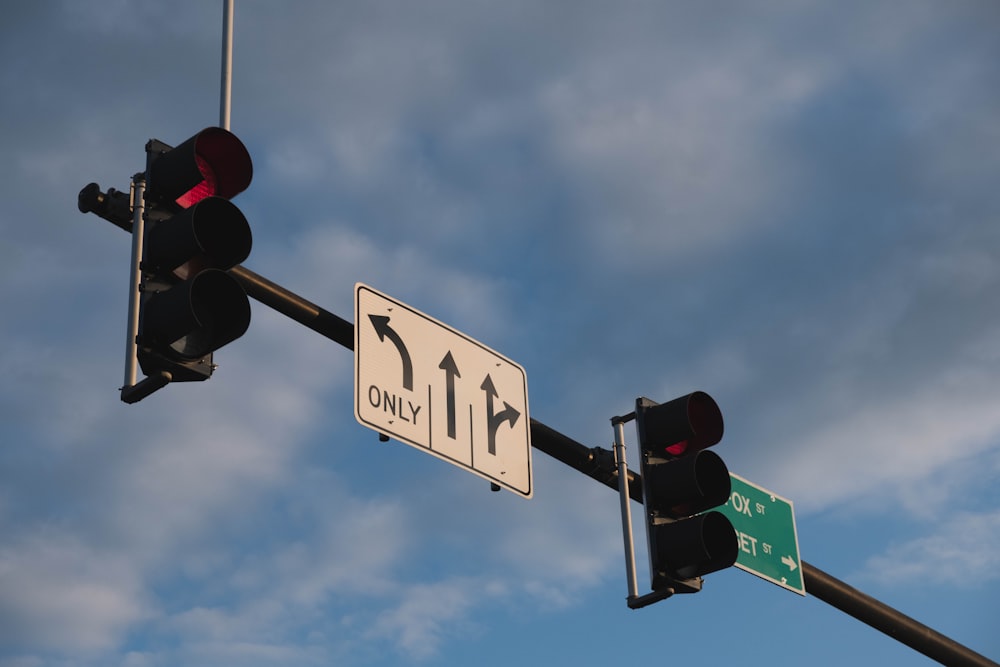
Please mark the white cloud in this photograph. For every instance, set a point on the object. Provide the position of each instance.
(600, 142)
(676, 160)
(62, 594)
(126, 493)
(889, 442)
(863, 389)
(352, 548)
(336, 255)
(964, 552)
(428, 614)
(566, 538)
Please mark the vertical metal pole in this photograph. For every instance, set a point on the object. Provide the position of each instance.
(623, 492)
(138, 207)
(225, 103)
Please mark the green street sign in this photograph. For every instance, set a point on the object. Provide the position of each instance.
(765, 531)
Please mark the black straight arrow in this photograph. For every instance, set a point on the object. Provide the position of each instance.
(450, 369)
(382, 328)
(493, 421)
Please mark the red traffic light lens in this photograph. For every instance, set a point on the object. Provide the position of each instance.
(224, 164)
(207, 188)
(677, 449)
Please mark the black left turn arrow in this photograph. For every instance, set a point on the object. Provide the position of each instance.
(382, 328)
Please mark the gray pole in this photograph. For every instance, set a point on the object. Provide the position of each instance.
(132, 328)
(225, 103)
(630, 576)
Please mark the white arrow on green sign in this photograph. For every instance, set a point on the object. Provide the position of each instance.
(765, 531)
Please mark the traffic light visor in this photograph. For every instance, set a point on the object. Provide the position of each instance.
(213, 162)
(213, 233)
(697, 546)
(197, 316)
(683, 426)
(688, 485)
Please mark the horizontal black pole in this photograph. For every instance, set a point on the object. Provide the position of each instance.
(292, 305)
(598, 463)
(887, 620)
(595, 462)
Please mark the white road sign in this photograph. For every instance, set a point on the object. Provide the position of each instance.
(430, 386)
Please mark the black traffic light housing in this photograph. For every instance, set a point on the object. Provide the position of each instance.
(186, 235)
(680, 481)
(189, 306)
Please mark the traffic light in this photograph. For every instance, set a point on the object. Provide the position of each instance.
(188, 305)
(681, 479)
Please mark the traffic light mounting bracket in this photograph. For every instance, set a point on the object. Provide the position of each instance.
(634, 600)
(128, 212)
(131, 391)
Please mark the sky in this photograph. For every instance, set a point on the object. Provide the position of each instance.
(790, 205)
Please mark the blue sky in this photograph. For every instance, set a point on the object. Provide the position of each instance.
(790, 205)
